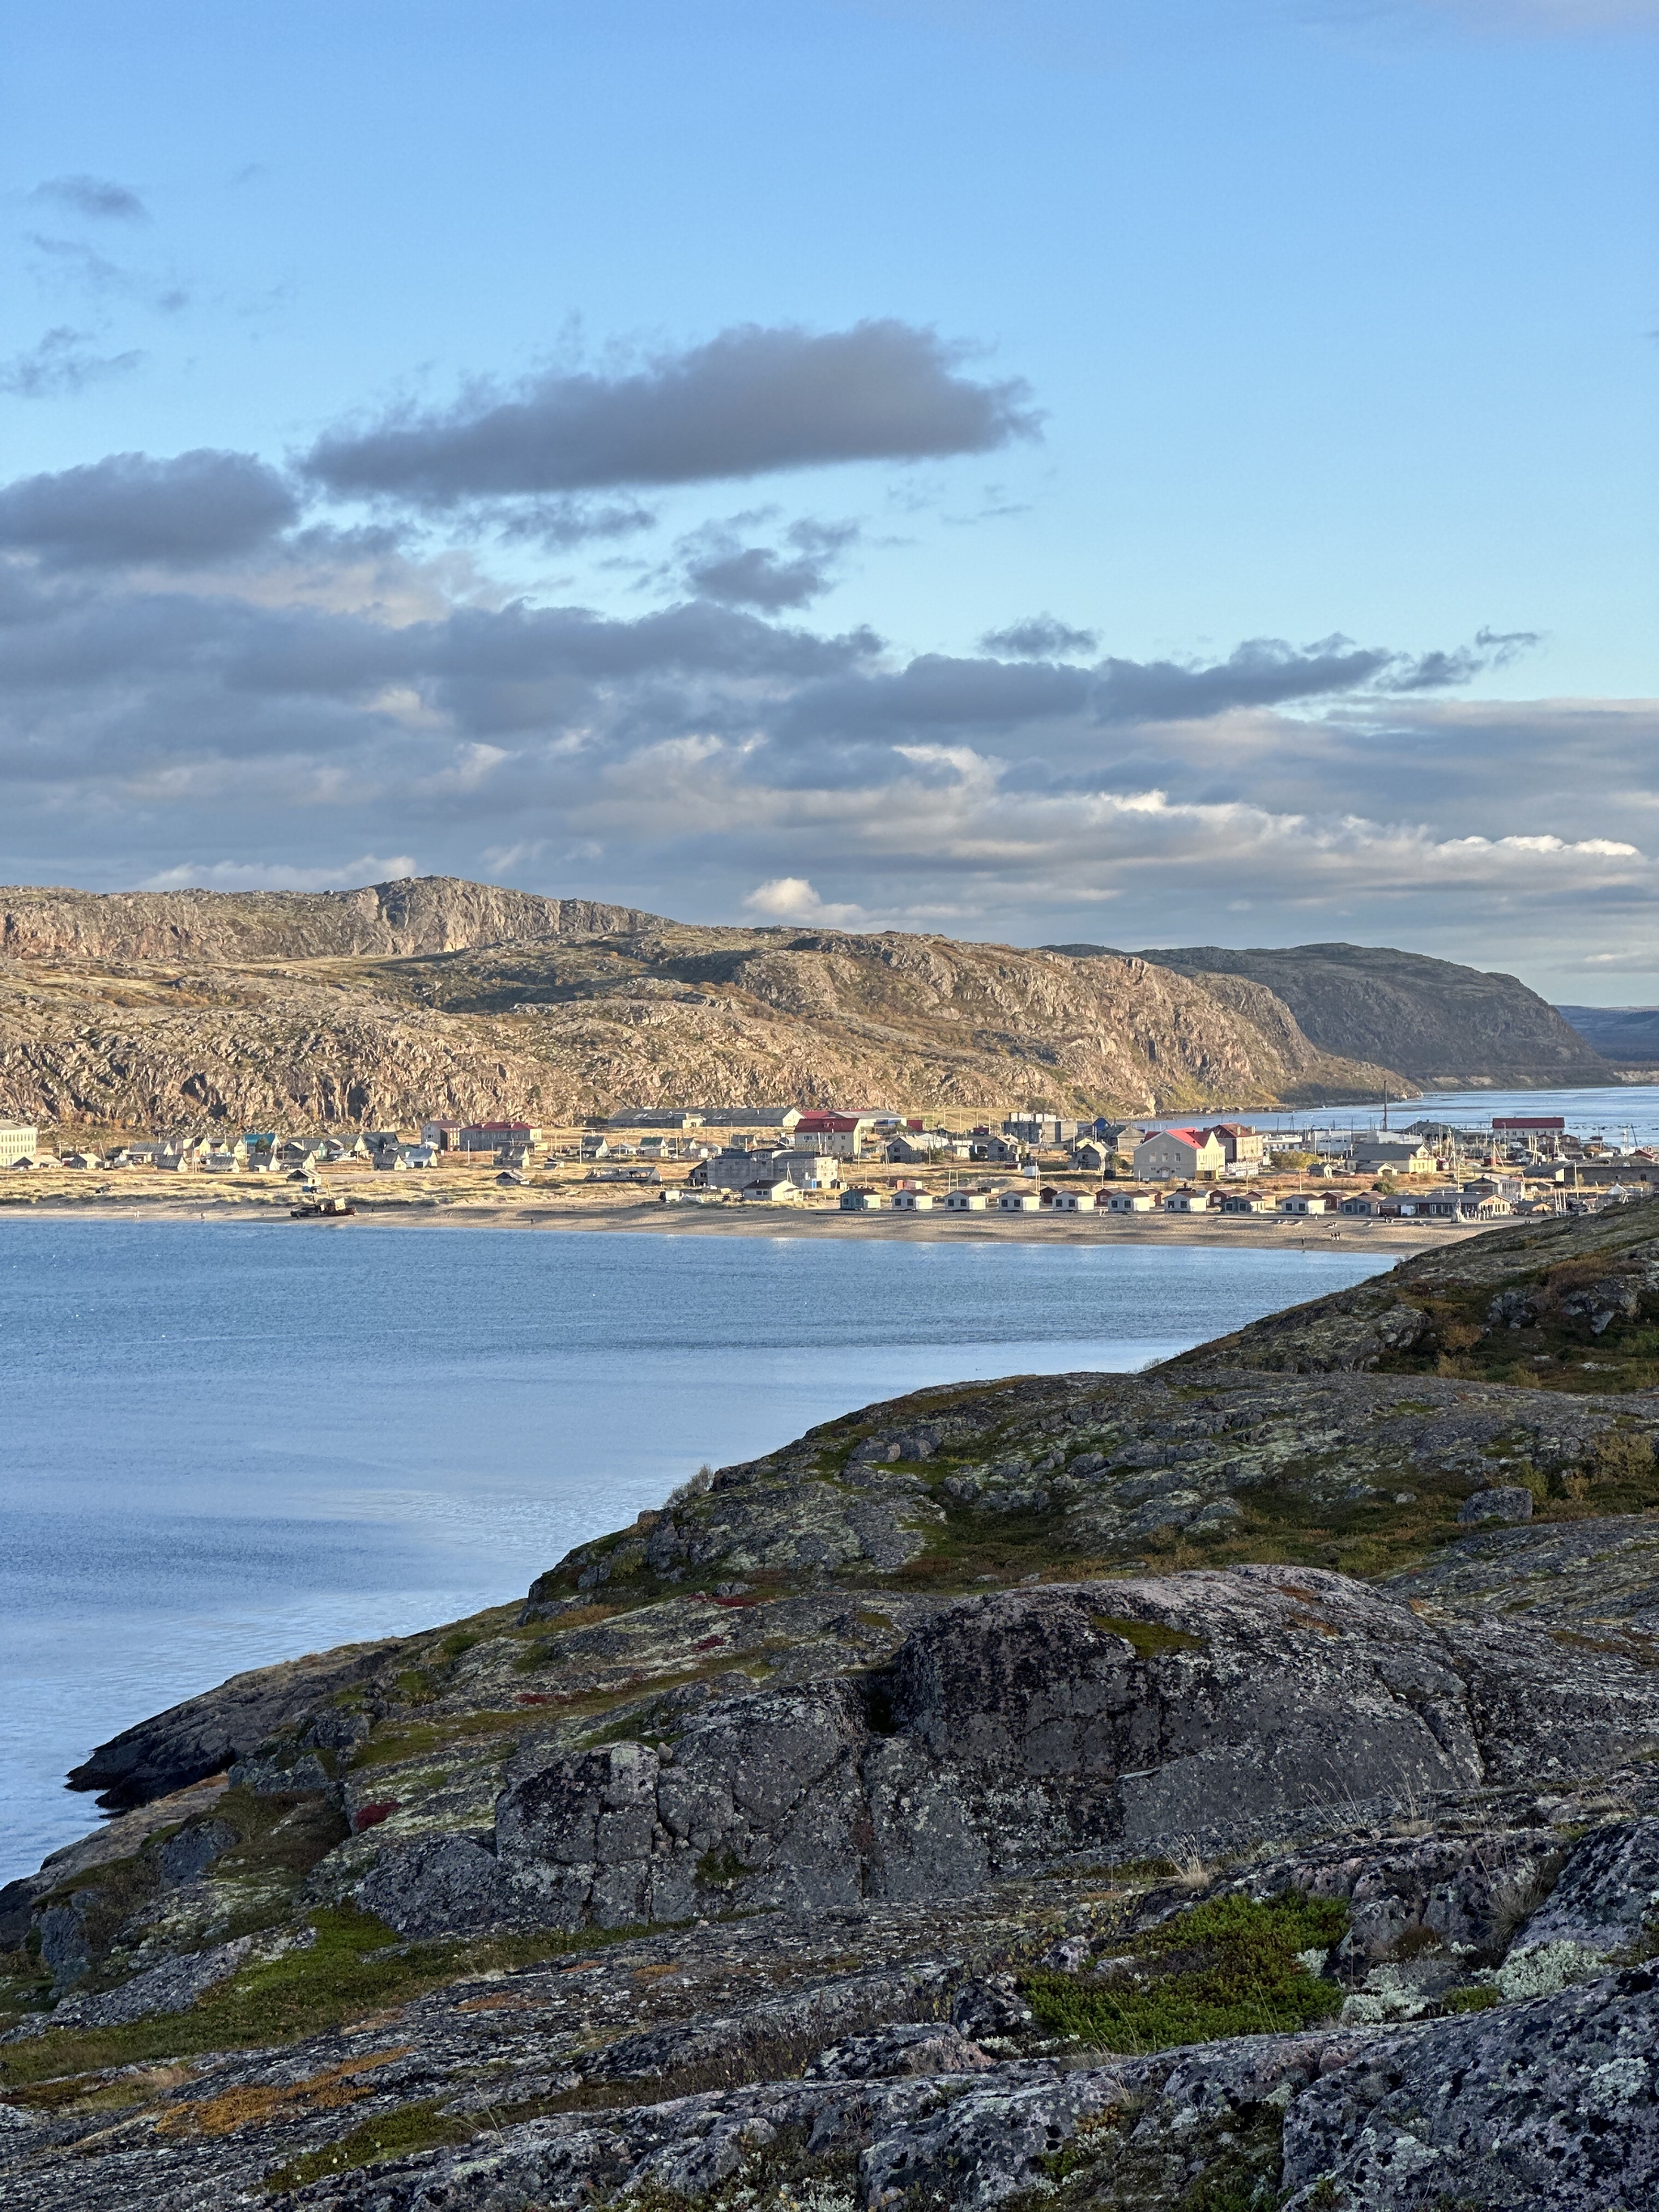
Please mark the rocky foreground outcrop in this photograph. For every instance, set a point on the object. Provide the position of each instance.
(947, 1809)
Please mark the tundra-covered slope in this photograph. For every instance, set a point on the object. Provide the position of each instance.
(1565, 1304)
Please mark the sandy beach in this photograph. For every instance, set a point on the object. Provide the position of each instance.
(603, 1209)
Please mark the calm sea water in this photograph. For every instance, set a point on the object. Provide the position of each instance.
(1589, 1114)
(1622, 1113)
(224, 1443)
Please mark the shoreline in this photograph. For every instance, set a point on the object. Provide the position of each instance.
(1398, 1240)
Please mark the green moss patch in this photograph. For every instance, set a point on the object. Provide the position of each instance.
(968, 1546)
(397, 1741)
(357, 1966)
(719, 1869)
(1228, 1967)
(1480, 1999)
(1148, 1637)
(393, 2135)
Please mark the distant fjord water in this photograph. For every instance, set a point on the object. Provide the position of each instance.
(225, 1444)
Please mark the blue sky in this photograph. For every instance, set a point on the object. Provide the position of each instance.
(803, 350)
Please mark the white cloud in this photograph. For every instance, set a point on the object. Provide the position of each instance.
(792, 898)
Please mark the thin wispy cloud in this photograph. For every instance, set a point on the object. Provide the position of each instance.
(99, 199)
(61, 363)
(70, 264)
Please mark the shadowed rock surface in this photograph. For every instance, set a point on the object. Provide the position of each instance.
(1440, 1022)
(1130, 1791)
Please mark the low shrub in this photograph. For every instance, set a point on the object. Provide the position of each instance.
(1227, 1967)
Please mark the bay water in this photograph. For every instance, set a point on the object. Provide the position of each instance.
(223, 1444)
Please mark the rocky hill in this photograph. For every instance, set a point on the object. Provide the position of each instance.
(437, 997)
(1442, 1024)
(1628, 1037)
(420, 913)
(1229, 1786)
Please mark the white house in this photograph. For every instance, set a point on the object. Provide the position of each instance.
(1303, 1201)
(17, 1142)
(912, 1201)
(1392, 1155)
(1188, 1201)
(1074, 1202)
(781, 1193)
(1246, 1201)
(1130, 1201)
(863, 1201)
(915, 1147)
(1019, 1201)
(1171, 1154)
(966, 1201)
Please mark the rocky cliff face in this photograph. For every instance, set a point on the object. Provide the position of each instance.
(1441, 1024)
(419, 913)
(1224, 1787)
(458, 999)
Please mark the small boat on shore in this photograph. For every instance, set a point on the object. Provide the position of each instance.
(322, 1209)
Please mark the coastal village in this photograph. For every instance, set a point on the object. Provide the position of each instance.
(869, 1161)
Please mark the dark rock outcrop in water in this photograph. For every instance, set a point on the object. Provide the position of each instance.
(954, 1808)
(203, 1734)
